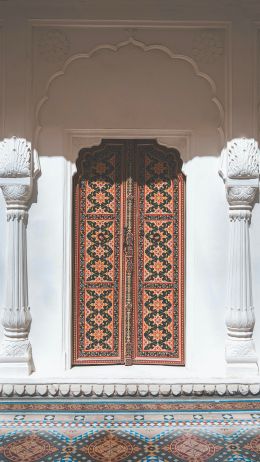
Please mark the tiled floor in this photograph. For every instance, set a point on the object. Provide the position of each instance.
(130, 430)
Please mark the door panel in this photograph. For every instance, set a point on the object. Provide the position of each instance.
(158, 237)
(128, 255)
(99, 217)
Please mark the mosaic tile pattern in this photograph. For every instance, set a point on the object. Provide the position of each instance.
(129, 436)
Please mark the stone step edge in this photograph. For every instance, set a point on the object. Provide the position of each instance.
(131, 390)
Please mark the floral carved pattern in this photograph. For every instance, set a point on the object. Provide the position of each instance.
(208, 46)
(53, 45)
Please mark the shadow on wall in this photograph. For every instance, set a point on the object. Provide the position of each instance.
(129, 91)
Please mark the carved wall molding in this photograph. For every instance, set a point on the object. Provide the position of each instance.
(145, 48)
(138, 390)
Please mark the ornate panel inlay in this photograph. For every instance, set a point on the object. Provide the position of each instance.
(158, 279)
(98, 195)
(128, 286)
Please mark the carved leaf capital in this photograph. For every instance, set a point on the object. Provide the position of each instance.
(19, 165)
(17, 159)
(240, 159)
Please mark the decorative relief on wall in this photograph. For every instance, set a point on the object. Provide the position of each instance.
(214, 107)
(53, 45)
(208, 46)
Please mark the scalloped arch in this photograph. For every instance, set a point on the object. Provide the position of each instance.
(115, 48)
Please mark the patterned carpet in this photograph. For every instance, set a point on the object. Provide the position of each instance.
(130, 430)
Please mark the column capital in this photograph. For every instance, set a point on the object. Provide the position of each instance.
(240, 160)
(19, 165)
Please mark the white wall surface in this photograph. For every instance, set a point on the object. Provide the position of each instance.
(187, 76)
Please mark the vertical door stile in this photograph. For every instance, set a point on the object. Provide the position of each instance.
(128, 247)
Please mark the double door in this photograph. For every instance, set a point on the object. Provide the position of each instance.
(128, 248)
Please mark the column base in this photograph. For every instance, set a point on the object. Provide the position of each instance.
(16, 358)
(15, 369)
(238, 370)
(241, 358)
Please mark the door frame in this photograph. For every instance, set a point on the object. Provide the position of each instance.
(74, 140)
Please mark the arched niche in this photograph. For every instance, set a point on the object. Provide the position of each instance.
(130, 86)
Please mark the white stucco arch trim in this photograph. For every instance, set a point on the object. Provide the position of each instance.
(145, 48)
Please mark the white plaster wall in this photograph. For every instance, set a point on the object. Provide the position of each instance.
(45, 250)
(206, 250)
(188, 77)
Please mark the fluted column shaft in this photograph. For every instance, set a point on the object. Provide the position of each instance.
(16, 316)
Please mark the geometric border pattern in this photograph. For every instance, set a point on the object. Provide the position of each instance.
(100, 433)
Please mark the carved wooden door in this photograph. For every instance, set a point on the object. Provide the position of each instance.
(128, 302)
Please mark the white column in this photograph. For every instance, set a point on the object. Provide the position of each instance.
(18, 168)
(240, 173)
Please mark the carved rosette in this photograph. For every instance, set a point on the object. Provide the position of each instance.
(18, 168)
(240, 173)
(208, 46)
(53, 45)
